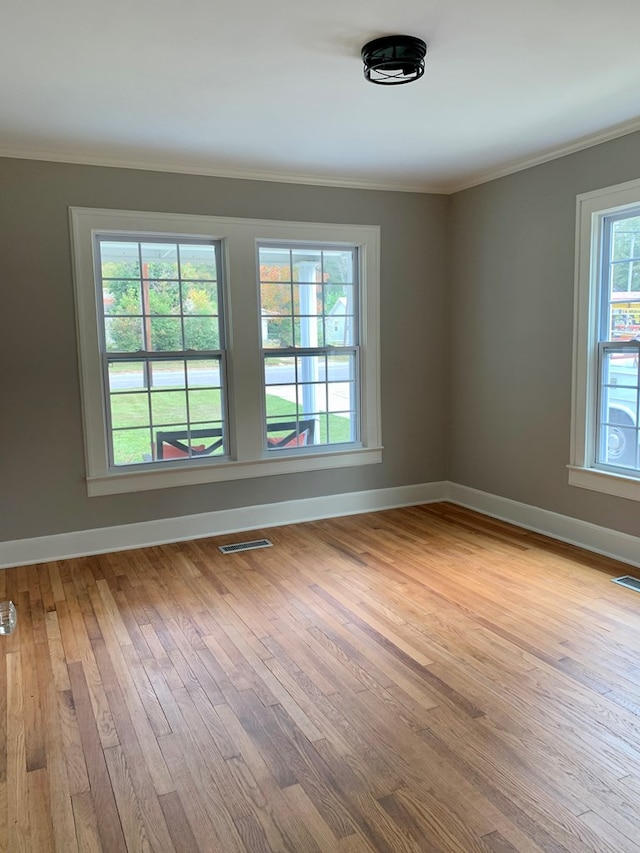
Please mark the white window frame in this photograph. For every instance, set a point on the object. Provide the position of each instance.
(591, 209)
(248, 457)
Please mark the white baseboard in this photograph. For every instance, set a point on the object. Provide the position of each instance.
(124, 537)
(602, 540)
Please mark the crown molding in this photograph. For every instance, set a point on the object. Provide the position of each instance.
(444, 188)
(215, 172)
(589, 141)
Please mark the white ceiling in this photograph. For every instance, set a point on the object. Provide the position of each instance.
(275, 89)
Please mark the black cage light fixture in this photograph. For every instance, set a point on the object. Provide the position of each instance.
(392, 60)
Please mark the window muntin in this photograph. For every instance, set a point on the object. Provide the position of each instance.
(162, 340)
(310, 343)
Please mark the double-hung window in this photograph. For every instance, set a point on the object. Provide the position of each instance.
(606, 399)
(213, 349)
(310, 343)
(162, 343)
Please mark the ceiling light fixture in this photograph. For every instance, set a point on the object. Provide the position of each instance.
(392, 60)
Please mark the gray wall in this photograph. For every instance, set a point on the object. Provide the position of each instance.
(511, 320)
(42, 487)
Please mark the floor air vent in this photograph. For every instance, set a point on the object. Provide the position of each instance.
(250, 546)
(632, 583)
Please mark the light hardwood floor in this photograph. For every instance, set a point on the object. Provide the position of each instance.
(421, 680)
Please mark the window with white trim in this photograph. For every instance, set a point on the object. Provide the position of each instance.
(214, 349)
(606, 394)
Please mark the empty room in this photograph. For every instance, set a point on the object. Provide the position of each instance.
(320, 456)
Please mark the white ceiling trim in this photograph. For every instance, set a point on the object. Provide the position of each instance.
(205, 171)
(590, 141)
(474, 180)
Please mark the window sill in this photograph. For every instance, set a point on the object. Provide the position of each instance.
(605, 481)
(166, 477)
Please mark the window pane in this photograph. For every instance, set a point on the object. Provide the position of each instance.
(129, 410)
(307, 299)
(279, 371)
(184, 443)
(172, 443)
(159, 260)
(306, 264)
(621, 369)
(126, 375)
(281, 404)
(164, 333)
(119, 259)
(283, 435)
(204, 372)
(312, 398)
(322, 429)
(341, 396)
(121, 297)
(339, 331)
(161, 297)
(341, 367)
(275, 264)
(123, 334)
(198, 261)
(625, 318)
(168, 407)
(279, 333)
(200, 297)
(201, 333)
(340, 321)
(308, 331)
(619, 441)
(208, 439)
(205, 405)
(626, 238)
(338, 266)
(166, 374)
(275, 299)
(132, 446)
(341, 428)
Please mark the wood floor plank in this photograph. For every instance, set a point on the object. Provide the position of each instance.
(59, 772)
(18, 835)
(4, 829)
(109, 825)
(129, 812)
(181, 833)
(40, 823)
(86, 822)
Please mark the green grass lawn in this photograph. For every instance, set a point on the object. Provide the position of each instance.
(131, 411)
